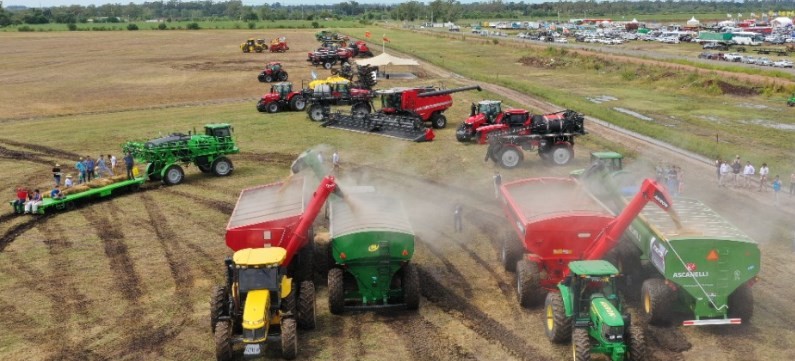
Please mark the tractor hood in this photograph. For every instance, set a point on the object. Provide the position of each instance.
(606, 312)
(479, 118)
(270, 97)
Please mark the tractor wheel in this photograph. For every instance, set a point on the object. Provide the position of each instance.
(223, 341)
(360, 110)
(511, 157)
(298, 103)
(528, 283)
(493, 153)
(558, 326)
(741, 303)
(289, 338)
(289, 303)
(561, 154)
(327, 65)
(438, 121)
(336, 291)
(306, 306)
(273, 107)
(153, 171)
(268, 78)
(461, 134)
(581, 345)
(411, 286)
(174, 175)
(222, 166)
(262, 106)
(656, 298)
(316, 112)
(511, 252)
(636, 344)
(791, 103)
(218, 304)
(283, 76)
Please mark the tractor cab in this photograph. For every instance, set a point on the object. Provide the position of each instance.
(589, 281)
(218, 130)
(391, 99)
(610, 160)
(282, 89)
(250, 42)
(273, 66)
(489, 108)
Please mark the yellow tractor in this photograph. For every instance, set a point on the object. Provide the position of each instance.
(254, 46)
(257, 304)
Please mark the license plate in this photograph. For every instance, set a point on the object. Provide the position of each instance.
(252, 349)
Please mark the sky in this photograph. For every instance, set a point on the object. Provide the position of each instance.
(48, 3)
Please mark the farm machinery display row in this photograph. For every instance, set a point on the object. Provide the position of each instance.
(269, 290)
(165, 158)
(278, 45)
(332, 53)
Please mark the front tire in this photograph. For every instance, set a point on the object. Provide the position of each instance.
(217, 305)
(273, 107)
(636, 344)
(438, 121)
(327, 65)
(268, 78)
(262, 106)
(174, 175)
(656, 298)
(289, 339)
(581, 345)
(336, 291)
(223, 341)
(557, 325)
(316, 112)
(306, 306)
(511, 157)
(411, 286)
(528, 284)
(222, 166)
(561, 154)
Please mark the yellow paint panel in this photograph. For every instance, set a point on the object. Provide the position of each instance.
(260, 256)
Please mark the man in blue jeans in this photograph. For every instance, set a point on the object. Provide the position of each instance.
(129, 162)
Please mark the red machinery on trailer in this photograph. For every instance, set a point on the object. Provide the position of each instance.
(557, 222)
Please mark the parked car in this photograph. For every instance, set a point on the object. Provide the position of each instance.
(749, 60)
(764, 62)
(734, 57)
(561, 40)
(782, 63)
(705, 55)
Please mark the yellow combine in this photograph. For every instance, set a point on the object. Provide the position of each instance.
(253, 46)
(257, 303)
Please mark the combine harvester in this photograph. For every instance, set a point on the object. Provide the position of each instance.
(277, 217)
(705, 270)
(557, 222)
(371, 244)
(403, 114)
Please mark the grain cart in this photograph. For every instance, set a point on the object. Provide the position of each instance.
(551, 134)
(255, 305)
(282, 97)
(557, 222)
(207, 151)
(273, 72)
(371, 244)
(588, 301)
(705, 270)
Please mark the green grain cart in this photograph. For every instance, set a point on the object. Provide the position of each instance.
(371, 244)
(165, 154)
(705, 268)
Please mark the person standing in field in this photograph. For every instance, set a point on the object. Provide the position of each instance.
(724, 174)
(112, 159)
(335, 160)
(763, 171)
(776, 188)
(497, 182)
(736, 168)
(89, 168)
(457, 218)
(129, 162)
(81, 171)
(56, 173)
(792, 184)
(102, 168)
(748, 173)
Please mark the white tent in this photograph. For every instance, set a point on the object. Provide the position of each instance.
(386, 59)
(781, 21)
(693, 22)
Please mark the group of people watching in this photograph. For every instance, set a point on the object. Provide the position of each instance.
(672, 176)
(741, 176)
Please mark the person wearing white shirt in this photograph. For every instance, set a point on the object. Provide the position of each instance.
(724, 173)
(748, 173)
(763, 171)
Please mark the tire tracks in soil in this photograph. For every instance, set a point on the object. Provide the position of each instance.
(475, 319)
(54, 152)
(16, 155)
(18, 229)
(424, 340)
(457, 278)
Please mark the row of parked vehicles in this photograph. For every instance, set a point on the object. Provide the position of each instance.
(738, 58)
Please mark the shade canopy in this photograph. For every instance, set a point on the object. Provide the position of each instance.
(386, 59)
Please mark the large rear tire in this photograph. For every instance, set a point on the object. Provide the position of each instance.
(511, 252)
(306, 306)
(283, 76)
(174, 175)
(511, 157)
(438, 121)
(218, 304)
(581, 345)
(656, 298)
(289, 338)
(557, 325)
(298, 103)
(528, 284)
(411, 286)
(222, 166)
(223, 341)
(327, 65)
(336, 291)
(636, 344)
(741, 303)
(316, 112)
(289, 303)
(562, 154)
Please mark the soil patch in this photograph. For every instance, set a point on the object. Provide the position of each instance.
(732, 89)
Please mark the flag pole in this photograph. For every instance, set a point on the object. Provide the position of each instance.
(383, 44)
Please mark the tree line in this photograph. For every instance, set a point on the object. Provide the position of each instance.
(436, 11)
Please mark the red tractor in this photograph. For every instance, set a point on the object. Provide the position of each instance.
(282, 97)
(555, 222)
(279, 45)
(551, 134)
(486, 113)
(360, 49)
(273, 72)
(426, 103)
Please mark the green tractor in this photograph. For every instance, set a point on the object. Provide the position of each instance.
(588, 311)
(791, 100)
(207, 151)
(256, 305)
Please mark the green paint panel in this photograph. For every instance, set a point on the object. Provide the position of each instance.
(593, 268)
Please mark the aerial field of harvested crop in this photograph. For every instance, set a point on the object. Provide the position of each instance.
(130, 277)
